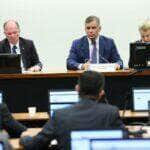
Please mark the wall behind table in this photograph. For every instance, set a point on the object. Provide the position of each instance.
(54, 24)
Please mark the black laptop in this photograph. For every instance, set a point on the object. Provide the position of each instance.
(61, 99)
(10, 63)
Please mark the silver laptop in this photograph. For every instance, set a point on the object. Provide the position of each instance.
(84, 137)
(120, 144)
(141, 97)
(62, 98)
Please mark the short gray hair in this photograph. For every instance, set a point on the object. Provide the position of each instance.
(17, 24)
(92, 18)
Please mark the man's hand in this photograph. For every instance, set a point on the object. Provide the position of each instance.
(117, 66)
(85, 66)
(31, 132)
(34, 68)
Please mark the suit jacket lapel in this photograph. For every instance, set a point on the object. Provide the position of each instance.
(85, 47)
(101, 46)
(7, 47)
(22, 51)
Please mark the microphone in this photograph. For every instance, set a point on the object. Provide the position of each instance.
(104, 59)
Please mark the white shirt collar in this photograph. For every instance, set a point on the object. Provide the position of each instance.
(17, 44)
(96, 40)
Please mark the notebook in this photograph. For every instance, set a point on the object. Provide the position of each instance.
(10, 63)
(141, 96)
(61, 99)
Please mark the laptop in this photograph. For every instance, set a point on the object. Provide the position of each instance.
(1, 145)
(141, 97)
(84, 137)
(119, 144)
(1, 97)
(61, 99)
(10, 63)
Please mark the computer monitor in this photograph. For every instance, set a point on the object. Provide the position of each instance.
(140, 96)
(120, 144)
(1, 145)
(84, 137)
(10, 63)
(139, 55)
(62, 98)
(1, 97)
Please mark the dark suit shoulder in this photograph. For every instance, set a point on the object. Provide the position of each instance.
(4, 41)
(94, 106)
(25, 40)
(106, 39)
(107, 107)
(80, 41)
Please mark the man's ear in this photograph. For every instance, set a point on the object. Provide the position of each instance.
(101, 93)
(77, 88)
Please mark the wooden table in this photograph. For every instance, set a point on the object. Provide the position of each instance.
(39, 116)
(16, 146)
(31, 89)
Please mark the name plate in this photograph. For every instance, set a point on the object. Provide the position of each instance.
(108, 67)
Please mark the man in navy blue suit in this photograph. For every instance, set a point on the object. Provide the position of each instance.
(82, 50)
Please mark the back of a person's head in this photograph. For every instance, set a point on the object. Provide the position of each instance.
(90, 83)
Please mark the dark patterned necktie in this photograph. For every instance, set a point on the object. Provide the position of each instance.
(14, 49)
(94, 53)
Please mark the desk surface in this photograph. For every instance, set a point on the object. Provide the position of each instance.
(130, 114)
(27, 117)
(16, 146)
(15, 142)
(70, 73)
(45, 116)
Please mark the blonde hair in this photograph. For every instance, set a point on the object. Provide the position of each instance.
(145, 25)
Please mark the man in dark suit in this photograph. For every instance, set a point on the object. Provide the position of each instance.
(8, 123)
(13, 43)
(88, 114)
(82, 50)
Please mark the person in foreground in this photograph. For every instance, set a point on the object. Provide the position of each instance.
(90, 113)
(93, 48)
(8, 123)
(15, 44)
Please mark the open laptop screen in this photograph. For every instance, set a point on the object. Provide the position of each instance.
(120, 144)
(1, 145)
(141, 96)
(84, 137)
(62, 98)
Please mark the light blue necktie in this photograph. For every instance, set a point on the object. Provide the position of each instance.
(14, 49)
(94, 53)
